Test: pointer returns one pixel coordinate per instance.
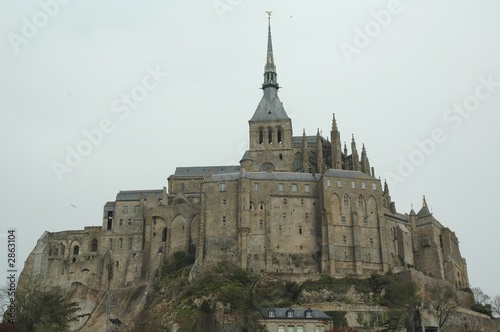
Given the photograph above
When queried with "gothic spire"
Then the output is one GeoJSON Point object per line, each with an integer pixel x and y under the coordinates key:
{"type": "Point", "coordinates": [365, 163]}
{"type": "Point", "coordinates": [270, 75]}
{"type": "Point", "coordinates": [355, 157]}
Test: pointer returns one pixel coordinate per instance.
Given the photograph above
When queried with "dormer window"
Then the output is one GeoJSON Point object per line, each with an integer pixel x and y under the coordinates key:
{"type": "Point", "coordinates": [271, 313]}
{"type": "Point", "coordinates": [309, 313]}
{"type": "Point", "coordinates": [289, 313]}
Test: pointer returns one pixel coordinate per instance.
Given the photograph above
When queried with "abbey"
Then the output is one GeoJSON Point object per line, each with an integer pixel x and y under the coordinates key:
{"type": "Point", "coordinates": [295, 204]}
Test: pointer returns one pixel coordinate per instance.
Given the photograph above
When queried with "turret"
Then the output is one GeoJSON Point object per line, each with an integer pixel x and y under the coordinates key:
{"type": "Point", "coordinates": [305, 153]}
{"type": "Point", "coordinates": [320, 161]}
{"type": "Point", "coordinates": [355, 157]}
{"type": "Point", "coordinates": [336, 146]}
{"type": "Point", "coordinates": [365, 163]}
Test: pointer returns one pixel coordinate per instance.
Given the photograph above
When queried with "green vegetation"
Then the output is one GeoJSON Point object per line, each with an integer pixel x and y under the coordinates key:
{"type": "Point", "coordinates": [40, 309]}
{"type": "Point", "coordinates": [228, 298]}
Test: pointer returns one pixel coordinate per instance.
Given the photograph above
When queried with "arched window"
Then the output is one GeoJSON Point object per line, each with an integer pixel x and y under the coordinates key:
{"type": "Point", "coordinates": [346, 200]}
{"type": "Point", "coordinates": [129, 243]}
{"type": "Point", "coordinates": [297, 163]}
{"type": "Point", "coordinates": [280, 136]}
{"type": "Point", "coordinates": [270, 135]}
{"type": "Point", "coordinates": [93, 245]}
{"type": "Point", "coordinates": [110, 244]}
{"type": "Point", "coordinates": [261, 136]}
{"type": "Point", "coordinates": [76, 250]}
{"type": "Point", "coordinates": [164, 235]}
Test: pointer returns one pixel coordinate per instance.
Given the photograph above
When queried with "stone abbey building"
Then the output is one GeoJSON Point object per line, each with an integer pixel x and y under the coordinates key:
{"type": "Point", "coordinates": [295, 204]}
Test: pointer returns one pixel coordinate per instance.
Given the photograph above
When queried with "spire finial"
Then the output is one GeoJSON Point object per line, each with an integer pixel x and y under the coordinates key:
{"type": "Point", "coordinates": [270, 75]}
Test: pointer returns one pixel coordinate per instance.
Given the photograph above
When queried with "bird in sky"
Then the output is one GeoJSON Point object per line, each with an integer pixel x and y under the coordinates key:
{"type": "Point", "coordinates": [73, 206]}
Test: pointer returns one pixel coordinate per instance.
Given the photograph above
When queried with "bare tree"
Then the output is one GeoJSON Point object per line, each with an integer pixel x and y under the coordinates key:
{"type": "Point", "coordinates": [443, 299]}
{"type": "Point", "coordinates": [495, 305]}
{"type": "Point", "coordinates": [479, 296]}
{"type": "Point", "coordinates": [471, 324]}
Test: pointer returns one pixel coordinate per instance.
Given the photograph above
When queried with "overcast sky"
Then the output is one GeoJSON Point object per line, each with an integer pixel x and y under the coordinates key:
{"type": "Point", "coordinates": [171, 83]}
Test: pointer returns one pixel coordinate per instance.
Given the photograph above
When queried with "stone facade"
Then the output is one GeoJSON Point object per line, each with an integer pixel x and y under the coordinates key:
{"type": "Point", "coordinates": [295, 205]}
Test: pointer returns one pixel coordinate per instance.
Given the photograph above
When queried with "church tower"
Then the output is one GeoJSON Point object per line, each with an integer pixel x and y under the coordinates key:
{"type": "Point", "coordinates": [270, 127]}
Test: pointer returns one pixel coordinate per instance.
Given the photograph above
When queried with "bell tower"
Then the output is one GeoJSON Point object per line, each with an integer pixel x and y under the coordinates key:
{"type": "Point", "coordinates": [270, 127]}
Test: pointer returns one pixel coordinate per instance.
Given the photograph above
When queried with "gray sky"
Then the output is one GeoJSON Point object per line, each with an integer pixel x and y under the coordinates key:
{"type": "Point", "coordinates": [417, 81]}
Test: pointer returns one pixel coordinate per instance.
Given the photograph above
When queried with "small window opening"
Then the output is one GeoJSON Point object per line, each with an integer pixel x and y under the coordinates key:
{"type": "Point", "coordinates": [279, 137]}
{"type": "Point", "coordinates": [94, 245]}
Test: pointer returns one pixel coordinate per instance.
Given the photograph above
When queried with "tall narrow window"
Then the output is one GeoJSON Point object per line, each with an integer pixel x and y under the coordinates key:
{"type": "Point", "coordinates": [297, 162]}
{"type": "Point", "coordinates": [261, 136]}
{"type": "Point", "coordinates": [129, 243]}
{"type": "Point", "coordinates": [280, 138]}
{"type": "Point", "coordinates": [93, 245]}
{"type": "Point", "coordinates": [110, 220]}
{"type": "Point", "coordinates": [346, 200]}
{"type": "Point", "coordinates": [164, 235]}
{"type": "Point", "coordinates": [270, 135]}
{"type": "Point", "coordinates": [120, 243]}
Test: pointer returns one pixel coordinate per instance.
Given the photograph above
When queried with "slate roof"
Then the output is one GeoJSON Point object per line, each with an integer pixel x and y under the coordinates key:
{"type": "Point", "coordinates": [277, 176]}
{"type": "Point", "coordinates": [246, 156]}
{"type": "Point", "coordinates": [297, 140]}
{"type": "Point", "coordinates": [343, 173]}
{"type": "Point", "coordinates": [298, 313]}
{"type": "Point", "coordinates": [135, 195]}
{"type": "Point", "coordinates": [205, 170]}
{"type": "Point", "coordinates": [270, 107]}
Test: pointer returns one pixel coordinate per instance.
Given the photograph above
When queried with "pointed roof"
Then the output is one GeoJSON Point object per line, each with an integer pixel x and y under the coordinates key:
{"type": "Point", "coordinates": [270, 75]}
{"type": "Point", "coordinates": [334, 124]}
{"type": "Point", "coordinates": [246, 156]}
{"type": "Point", "coordinates": [270, 107]}
{"type": "Point", "coordinates": [424, 211]}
